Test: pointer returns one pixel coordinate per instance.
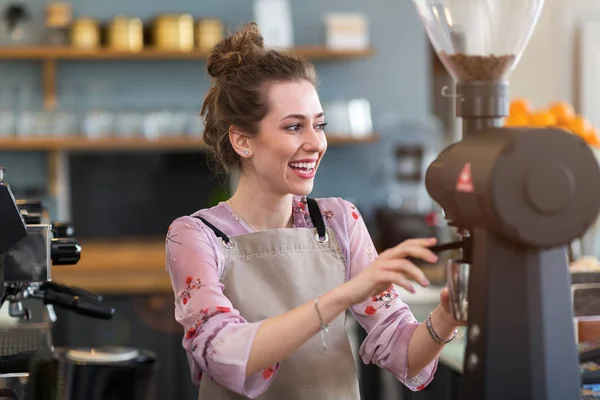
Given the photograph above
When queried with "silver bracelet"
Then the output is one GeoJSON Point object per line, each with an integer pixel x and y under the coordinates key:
{"type": "Point", "coordinates": [324, 327]}
{"type": "Point", "coordinates": [434, 335]}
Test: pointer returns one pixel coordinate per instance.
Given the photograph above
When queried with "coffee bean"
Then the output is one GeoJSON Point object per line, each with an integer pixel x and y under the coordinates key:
{"type": "Point", "coordinates": [478, 68]}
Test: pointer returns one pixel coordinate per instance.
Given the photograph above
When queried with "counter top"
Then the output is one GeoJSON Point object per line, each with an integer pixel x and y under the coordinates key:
{"type": "Point", "coordinates": [118, 266]}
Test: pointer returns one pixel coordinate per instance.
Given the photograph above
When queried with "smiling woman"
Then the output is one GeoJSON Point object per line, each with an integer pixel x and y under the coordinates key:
{"type": "Point", "coordinates": [288, 148]}
{"type": "Point", "coordinates": [258, 277]}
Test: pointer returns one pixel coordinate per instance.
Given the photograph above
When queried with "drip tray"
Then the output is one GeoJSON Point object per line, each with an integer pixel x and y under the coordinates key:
{"type": "Point", "coordinates": [25, 337]}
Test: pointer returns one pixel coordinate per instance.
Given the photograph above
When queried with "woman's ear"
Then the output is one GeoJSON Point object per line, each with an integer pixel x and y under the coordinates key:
{"type": "Point", "coordinates": [240, 142]}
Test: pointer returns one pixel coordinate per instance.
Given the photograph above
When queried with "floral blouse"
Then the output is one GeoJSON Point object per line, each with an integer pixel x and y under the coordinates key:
{"type": "Point", "coordinates": [217, 338]}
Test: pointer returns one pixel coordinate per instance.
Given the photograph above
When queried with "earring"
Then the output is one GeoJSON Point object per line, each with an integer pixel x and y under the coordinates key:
{"type": "Point", "coordinates": [246, 153]}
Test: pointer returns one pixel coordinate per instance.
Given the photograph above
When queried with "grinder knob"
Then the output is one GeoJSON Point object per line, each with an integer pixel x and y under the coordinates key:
{"type": "Point", "coordinates": [65, 251]}
{"type": "Point", "coordinates": [61, 229]}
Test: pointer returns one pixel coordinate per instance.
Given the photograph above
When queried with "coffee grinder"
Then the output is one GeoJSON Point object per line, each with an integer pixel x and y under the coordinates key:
{"type": "Point", "coordinates": [517, 196]}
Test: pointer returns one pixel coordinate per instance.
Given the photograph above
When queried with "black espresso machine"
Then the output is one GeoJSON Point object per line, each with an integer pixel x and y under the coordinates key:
{"type": "Point", "coordinates": [518, 197]}
{"type": "Point", "coordinates": [31, 368]}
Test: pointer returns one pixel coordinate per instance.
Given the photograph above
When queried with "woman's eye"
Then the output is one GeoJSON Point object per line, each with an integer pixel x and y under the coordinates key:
{"type": "Point", "coordinates": [298, 127]}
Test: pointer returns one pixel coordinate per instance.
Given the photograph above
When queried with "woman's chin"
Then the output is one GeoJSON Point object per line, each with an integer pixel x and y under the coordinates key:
{"type": "Point", "coordinates": [303, 189]}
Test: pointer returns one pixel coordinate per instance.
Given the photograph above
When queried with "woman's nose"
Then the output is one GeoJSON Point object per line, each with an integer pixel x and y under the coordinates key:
{"type": "Point", "coordinates": [316, 141]}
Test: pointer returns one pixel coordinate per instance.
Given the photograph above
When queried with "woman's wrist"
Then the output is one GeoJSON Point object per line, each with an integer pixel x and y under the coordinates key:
{"type": "Point", "coordinates": [349, 293]}
{"type": "Point", "coordinates": [343, 296]}
{"type": "Point", "coordinates": [442, 323]}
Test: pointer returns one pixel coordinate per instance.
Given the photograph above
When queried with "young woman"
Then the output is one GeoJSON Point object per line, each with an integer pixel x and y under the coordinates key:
{"type": "Point", "coordinates": [263, 280]}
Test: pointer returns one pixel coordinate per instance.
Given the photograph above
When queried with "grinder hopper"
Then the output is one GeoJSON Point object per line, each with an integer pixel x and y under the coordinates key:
{"type": "Point", "coordinates": [479, 40]}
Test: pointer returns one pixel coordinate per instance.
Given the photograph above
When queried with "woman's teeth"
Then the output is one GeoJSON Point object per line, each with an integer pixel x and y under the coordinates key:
{"type": "Point", "coordinates": [304, 166]}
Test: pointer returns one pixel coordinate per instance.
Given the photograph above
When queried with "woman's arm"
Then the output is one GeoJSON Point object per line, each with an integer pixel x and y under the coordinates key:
{"type": "Point", "coordinates": [278, 337]}
{"type": "Point", "coordinates": [422, 350]}
{"type": "Point", "coordinates": [395, 341]}
{"type": "Point", "coordinates": [217, 339]}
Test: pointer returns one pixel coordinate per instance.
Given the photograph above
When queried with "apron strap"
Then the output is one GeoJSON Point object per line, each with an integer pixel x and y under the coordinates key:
{"type": "Point", "coordinates": [316, 217]}
{"type": "Point", "coordinates": [313, 210]}
{"type": "Point", "coordinates": [217, 232]}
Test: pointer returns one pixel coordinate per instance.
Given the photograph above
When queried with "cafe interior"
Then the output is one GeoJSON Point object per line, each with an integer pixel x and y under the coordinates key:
{"type": "Point", "coordinates": [441, 123]}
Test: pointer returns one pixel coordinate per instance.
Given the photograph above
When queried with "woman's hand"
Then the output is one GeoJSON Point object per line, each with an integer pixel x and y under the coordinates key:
{"type": "Point", "coordinates": [392, 267]}
{"type": "Point", "coordinates": [445, 302]}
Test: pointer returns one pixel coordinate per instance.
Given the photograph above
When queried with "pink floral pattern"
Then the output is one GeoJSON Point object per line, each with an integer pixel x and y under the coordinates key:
{"type": "Point", "coordinates": [384, 300]}
{"type": "Point", "coordinates": [191, 284]}
{"type": "Point", "coordinates": [269, 371]}
{"type": "Point", "coordinates": [300, 213]}
{"type": "Point", "coordinates": [371, 252]}
{"type": "Point", "coordinates": [355, 214]}
{"type": "Point", "coordinates": [206, 314]}
{"type": "Point", "coordinates": [417, 382]}
{"type": "Point", "coordinates": [170, 239]}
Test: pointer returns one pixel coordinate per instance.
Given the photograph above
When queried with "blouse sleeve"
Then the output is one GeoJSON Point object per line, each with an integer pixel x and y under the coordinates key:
{"type": "Point", "coordinates": [217, 339]}
{"type": "Point", "coordinates": [387, 319]}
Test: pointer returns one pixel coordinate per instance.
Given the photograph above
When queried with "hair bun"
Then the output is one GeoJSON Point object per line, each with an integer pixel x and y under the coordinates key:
{"type": "Point", "coordinates": [229, 54]}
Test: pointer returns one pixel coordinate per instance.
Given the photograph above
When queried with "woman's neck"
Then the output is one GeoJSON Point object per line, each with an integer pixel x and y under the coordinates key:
{"type": "Point", "coordinates": [260, 209]}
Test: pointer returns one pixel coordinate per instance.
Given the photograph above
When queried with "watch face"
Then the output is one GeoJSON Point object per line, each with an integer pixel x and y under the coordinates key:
{"type": "Point", "coordinates": [586, 300]}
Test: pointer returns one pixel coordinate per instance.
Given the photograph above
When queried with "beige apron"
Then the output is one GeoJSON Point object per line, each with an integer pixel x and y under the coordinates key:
{"type": "Point", "coordinates": [270, 272]}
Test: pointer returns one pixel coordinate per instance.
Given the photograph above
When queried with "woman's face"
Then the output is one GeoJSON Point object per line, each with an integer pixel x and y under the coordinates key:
{"type": "Point", "coordinates": [291, 142]}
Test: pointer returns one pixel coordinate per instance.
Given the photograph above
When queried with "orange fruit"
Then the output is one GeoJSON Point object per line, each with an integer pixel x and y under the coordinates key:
{"type": "Point", "coordinates": [580, 126]}
{"type": "Point", "coordinates": [566, 127]}
{"type": "Point", "coordinates": [517, 120]}
{"type": "Point", "coordinates": [563, 111]}
{"type": "Point", "coordinates": [594, 140]}
{"type": "Point", "coordinates": [519, 106]}
{"type": "Point", "coordinates": [543, 118]}
{"type": "Point", "coordinates": [591, 137]}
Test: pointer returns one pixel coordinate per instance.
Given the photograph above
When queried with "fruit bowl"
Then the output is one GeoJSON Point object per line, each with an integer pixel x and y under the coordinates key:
{"type": "Point", "coordinates": [559, 114]}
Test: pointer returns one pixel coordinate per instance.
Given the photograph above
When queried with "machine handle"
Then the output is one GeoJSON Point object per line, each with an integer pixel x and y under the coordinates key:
{"type": "Point", "coordinates": [464, 244]}
{"type": "Point", "coordinates": [447, 246]}
{"type": "Point", "coordinates": [73, 291]}
{"type": "Point", "coordinates": [65, 251]}
{"type": "Point", "coordinates": [79, 305]}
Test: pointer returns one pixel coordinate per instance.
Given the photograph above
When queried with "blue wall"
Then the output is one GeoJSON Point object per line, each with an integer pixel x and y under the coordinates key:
{"type": "Point", "coordinates": [395, 80]}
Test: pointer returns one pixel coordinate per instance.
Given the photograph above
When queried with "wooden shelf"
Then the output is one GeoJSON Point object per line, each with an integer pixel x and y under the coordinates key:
{"type": "Point", "coordinates": [71, 53]}
{"type": "Point", "coordinates": [183, 143]}
{"type": "Point", "coordinates": [49, 55]}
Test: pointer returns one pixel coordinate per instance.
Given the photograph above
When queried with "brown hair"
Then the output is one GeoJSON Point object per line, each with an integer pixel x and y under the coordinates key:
{"type": "Point", "coordinates": [241, 69]}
